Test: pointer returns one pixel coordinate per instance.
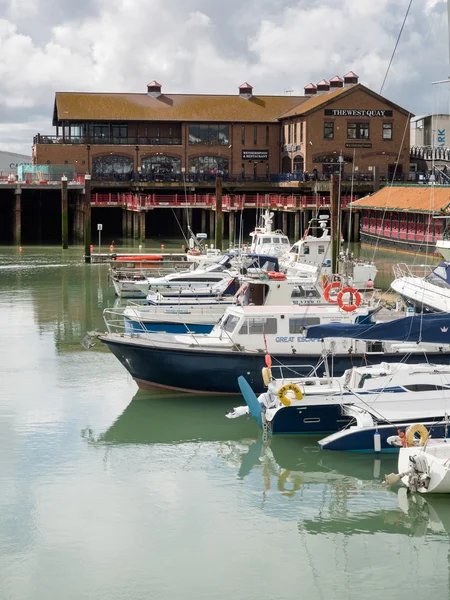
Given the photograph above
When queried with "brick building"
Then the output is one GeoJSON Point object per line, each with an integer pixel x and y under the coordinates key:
{"type": "Point", "coordinates": [245, 136]}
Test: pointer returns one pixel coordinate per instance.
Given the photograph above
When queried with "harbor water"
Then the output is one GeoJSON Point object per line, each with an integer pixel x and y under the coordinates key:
{"type": "Point", "coordinates": [110, 492]}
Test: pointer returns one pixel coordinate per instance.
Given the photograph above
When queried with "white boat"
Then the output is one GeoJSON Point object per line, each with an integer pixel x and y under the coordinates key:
{"type": "Point", "coordinates": [428, 294]}
{"type": "Point", "coordinates": [266, 241]}
{"type": "Point", "coordinates": [443, 247]}
{"type": "Point", "coordinates": [299, 405]}
{"type": "Point", "coordinates": [424, 464]}
{"type": "Point", "coordinates": [312, 255]}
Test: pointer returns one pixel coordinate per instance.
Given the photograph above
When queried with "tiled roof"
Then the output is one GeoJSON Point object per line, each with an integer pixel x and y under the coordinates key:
{"type": "Point", "coordinates": [315, 102]}
{"type": "Point", "coordinates": [245, 85]}
{"type": "Point", "coordinates": [323, 82]}
{"type": "Point", "coordinates": [74, 106]}
{"type": "Point", "coordinates": [350, 74]}
{"type": "Point", "coordinates": [154, 83]}
{"type": "Point", "coordinates": [336, 78]}
{"type": "Point", "coordinates": [403, 197]}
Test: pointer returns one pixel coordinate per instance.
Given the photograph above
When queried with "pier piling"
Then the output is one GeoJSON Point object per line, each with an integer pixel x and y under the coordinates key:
{"type": "Point", "coordinates": [18, 216]}
{"type": "Point", "coordinates": [87, 218]}
{"type": "Point", "coordinates": [64, 214]}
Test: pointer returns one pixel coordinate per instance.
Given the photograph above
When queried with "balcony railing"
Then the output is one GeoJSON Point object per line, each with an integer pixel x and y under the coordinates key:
{"type": "Point", "coordinates": [110, 141]}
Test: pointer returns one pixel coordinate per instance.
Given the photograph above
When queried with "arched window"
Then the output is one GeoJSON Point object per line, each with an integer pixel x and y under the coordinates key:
{"type": "Point", "coordinates": [110, 166]}
{"type": "Point", "coordinates": [161, 165]}
{"type": "Point", "coordinates": [286, 164]}
{"type": "Point", "coordinates": [210, 165]}
{"type": "Point", "coordinates": [298, 163]}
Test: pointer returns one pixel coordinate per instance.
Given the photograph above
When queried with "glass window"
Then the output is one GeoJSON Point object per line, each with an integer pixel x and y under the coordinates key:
{"type": "Point", "coordinates": [304, 292]}
{"type": "Point", "coordinates": [387, 131]}
{"type": "Point", "coordinates": [259, 325]}
{"type": "Point", "coordinates": [119, 131]}
{"type": "Point", "coordinates": [297, 325]}
{"type": "Point", "coordinates": [208, 134]}
{"type": "Point", "coordinates": [328, 130]}
{"type": "Point", "coordinates": [243, 135]}
{"type": "Point", "coordinates": [230, 323]}
{"type": "Point", "coordinates": [358, 131]}
{"type": "Point", "coordinates": [267, 135]}
{"type": "Point", "coordinates": [111, 165]}
{"type": "Point", "coordinates": [424, 387]}
{"type": "Point", "coordinates": [255, 134]}
{"type": "Point", "coordinates": [295, 133]}
{"type": "Point", "coordinates": [321, 250]}
{"type": "Point", "coordinates": [161, 164]}
{"type": "Point", "coordinates": [209, 164]}
{"type": "Point", "coordinates": [289, 133]}
{"type": "Point", "coordinates": [301, 133]}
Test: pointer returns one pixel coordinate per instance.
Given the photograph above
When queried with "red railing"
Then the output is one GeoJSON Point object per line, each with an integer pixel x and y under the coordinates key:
{"type": "Point", "coordinates": [236, 202]}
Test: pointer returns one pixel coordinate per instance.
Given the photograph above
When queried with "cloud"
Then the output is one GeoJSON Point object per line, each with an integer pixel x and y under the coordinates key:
{"type": "Point", "coordinates": [204, 46]}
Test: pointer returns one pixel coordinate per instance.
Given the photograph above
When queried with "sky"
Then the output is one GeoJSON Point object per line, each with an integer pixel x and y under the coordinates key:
{"type": "Point", "coordinates": [212, 46]}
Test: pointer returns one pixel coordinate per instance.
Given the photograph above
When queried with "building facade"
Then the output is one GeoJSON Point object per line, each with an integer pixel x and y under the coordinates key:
{"type": "Point", "coordinates": [337, 125]}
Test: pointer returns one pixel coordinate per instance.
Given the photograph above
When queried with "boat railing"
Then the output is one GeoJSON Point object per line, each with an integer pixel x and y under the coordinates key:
{"type": "Point", "coordinates": [405, 270]}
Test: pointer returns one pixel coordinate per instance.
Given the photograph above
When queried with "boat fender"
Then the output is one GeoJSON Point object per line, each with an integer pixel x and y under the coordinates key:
{"type": "Point", "coordinates": [327, 290]}
{"type": "Point", "coordinates": [377, 441]}
{"type": "Point", "coordinates": [349, 307]}
{"type": "Point", "coordinates": [266, 375]}
{"type": "Point", "coordinates": [411, 432]}
{"type": "Point", "coordinates": [289, 387]}
{"type": "Point", "coordinates": [276, 275]}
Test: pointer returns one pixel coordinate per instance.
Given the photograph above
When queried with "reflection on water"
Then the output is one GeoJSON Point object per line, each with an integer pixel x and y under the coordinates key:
{"type": "Point", "coordinates": [110, 492]}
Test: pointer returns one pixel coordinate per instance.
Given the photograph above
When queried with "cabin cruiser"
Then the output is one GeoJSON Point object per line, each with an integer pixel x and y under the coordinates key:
{"type": "Point", "coordinates": [312, 254]}
{"type": "Point", "coordinates": [392, 391]}
{"type": "Point", "coordinates": [266, 241]}
{"type": "Point", "coordinates": [425, 294]}
{"type": "Point", "coordinates": [239, 342]}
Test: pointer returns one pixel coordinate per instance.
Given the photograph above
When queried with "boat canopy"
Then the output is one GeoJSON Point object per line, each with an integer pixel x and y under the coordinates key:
{"type": "Point", "coordinates": [440, 275]}
{"type": "Point", "coordinates": [433, 328]}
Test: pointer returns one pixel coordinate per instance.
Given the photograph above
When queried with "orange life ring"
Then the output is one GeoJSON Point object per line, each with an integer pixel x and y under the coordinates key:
{"type": "Point", "coordinates": [327, 290]}
{"type": "Point", "coordinates": [349, 307]}
{"type": "Point", "coordinates": [194, 252]}
{"type": "Point", "coordinates": [275, 275]}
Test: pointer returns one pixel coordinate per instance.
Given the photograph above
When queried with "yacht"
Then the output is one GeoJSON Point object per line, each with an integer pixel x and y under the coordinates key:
{"type": "Point", "coordinates": [425, 294]}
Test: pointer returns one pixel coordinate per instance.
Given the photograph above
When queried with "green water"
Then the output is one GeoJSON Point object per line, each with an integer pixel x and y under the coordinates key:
{"type": "Point", "coordinates": [110, 492]}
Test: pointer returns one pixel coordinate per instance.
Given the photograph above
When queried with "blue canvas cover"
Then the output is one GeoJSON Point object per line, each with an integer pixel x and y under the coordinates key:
{"type": "Point", "coordinates": [433, 328]}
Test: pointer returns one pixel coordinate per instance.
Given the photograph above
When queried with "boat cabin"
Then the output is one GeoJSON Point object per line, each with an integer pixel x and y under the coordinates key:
{"type": "Point", "coordinates": [440, 276]}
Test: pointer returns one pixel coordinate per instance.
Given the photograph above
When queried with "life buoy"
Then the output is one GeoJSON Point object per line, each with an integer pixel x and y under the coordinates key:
{"type": "Point", "coordinates": [194, 252]}
{"type": "Point", "coordinates": [411, 432]}
{"type": "Point", "coordinates": [266, 375]}
{"type": "Point", "coordinates": [327, 290]}
{"type": "Point", "coordinates": [283, 479]}
{"type": "Point", "coordinates": [292, 387]}
{"type": "Point", "coordinates": [276, 275]}
{"type": "Point", "coordinates": [356, 302]}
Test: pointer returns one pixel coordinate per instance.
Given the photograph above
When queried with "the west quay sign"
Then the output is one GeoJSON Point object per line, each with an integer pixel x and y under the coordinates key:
{"type": "Point", "coordinates": [350, 112]}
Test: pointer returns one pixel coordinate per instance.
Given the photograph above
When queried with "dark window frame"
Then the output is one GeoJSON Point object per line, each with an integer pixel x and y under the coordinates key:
{"type": "Point", "coordinates": [387, 127]}
{"type": "Point", "coordinates": [358, 128]}
{"type": "Point", "coordinates": [328, 130]}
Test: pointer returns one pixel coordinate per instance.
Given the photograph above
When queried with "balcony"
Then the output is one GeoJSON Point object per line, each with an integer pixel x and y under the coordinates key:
{"type": "Point", "coordinates": [107, 141]}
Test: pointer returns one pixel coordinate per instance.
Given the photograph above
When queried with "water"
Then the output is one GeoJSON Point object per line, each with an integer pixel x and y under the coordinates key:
{"type": "Point", "coordinates": [110, 492]}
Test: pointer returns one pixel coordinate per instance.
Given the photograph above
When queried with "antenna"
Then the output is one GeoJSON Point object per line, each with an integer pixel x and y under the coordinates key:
{"type": "Point", "coordinates": [289, 92]}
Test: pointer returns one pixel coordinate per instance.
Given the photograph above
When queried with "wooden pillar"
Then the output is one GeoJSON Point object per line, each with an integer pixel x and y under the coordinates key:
{"type": "Point", "coordinates": [376, 179]}
{"type": "Point", "coordinates": [64, 214]}
{"type": "Point", "coordinates": [142, 226]}
{"type": "Point", "coordinates": [219, 213]}
{"type": "Point", "coordinates": [18, 215]}
{"type": "Point", "coordinates": [296, 226]}
{"type": "Point", "coordinates": [203, 220]}
{"type": "Point", "coordinates": [231, 221]}
{"type": "Point", "coordinates": [124, 223]}
{"type": "Point", "coordinates": [356, 221]}
{"type": "Point", "coordinates": [211, 224]}
{"type": "Point", "coordinates": [39, 218]}
{"type": "Point", "coordinates": [87, 218]}
{"type": "Point", "coordinates": [135, 225]}
{"type": "Point", "coordinates": [284, 220]}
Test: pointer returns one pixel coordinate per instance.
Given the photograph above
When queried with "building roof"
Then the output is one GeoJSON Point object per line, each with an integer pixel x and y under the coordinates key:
{"type": "Point", "coordinates": [336, 78]}
{"type": "Point", "coordinates": [351, 74]}
{"type": "Point", "coordinates": [80, 106]}
{"type": "Point", "coordinates": [422, 198]}
{"type": "Point", "coordinates": [315, 102]}
{"type": "Point", "coordinates": [154, 83]}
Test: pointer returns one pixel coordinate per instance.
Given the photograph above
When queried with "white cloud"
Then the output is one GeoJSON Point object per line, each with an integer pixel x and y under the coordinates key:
{"type": "Point", "coordinates": [198, 46]}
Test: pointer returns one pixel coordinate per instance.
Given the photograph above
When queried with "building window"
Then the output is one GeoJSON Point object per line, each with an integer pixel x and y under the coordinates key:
{"type": "Point", "coordinates": [387, 131]}
{"type": "Point", "coordinates": [295, 125]}
{"type": "Point", "coordinates": [289, 133]}
{"type": "Point", "coordinates": [243, 135]}
{"type": "Point", "coordinates": [298, 164]}
{"type": "Point", "coordinates": [267, 135]}
{"type": "Point", "coordinates": [255, 134]}
{"type": "Point", "coordinates": [161, 165]}
{"type": "Point", "coordinates": [111, 167]}
{"type": "Point", "coordinates": [358, 131]}
{"type": "Point", "coordinates": [211, 165]}
{"type": "Point", "coordinates": [119, 133]}
{"type": "Point", "coordinates": [243, 169]}
{"type": "Point", "coordinates": [158, 132]}
{"type": "Point", "coordinates": [170, 131]}
{"type": "Point", "coordinates": [267, 170]}
{"type": "Point", "coordinates": [328, 130]}
{"type": "Point", "coordinates": [83, 162]}
{"type": "Point", "coordinates": [208, 134]}
{"type": "Point", "coordinates": [301, 133]}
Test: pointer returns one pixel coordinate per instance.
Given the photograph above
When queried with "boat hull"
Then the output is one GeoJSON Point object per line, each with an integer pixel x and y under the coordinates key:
{"type": "Point", "coordinates": [313, 419]}
{"type": "Point", "coordinates": [216, 371]}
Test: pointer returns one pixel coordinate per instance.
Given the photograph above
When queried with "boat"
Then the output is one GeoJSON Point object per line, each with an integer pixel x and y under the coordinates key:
{"type": "Point", "coordinates": [239, 342]}
{"type": "Point", "coordinates": [312, 255]}
{"type": "Point", "coordinates": [424, 294]}
{"type": "Point", "coordinates": [318, 405]}
{"type": "Point", "coordinates": [423, 463]}
{"type": "Point", "coordinates": [266, 241]}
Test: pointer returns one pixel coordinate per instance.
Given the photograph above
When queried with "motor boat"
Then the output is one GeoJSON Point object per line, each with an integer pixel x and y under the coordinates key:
{"type": "Point", "coordinates": [424, 294]}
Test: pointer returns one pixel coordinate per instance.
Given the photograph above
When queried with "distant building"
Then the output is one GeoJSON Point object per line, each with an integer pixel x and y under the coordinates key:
{"type": "Point", "coordinates": [431, 130]}
{"type": "Point", "coordinates": [337, 124]}
{"type": "Point", "coordinates": [9, 161]}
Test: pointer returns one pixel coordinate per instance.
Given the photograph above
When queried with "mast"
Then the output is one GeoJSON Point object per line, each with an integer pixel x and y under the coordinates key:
{"type": "Point", "coordinates": [334, 208]}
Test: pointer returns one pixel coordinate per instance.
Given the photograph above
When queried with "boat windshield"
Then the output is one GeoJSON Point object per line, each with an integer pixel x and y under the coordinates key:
{"type": "Point", "coordinates": [439, 276]}
{"type": "Point", "coordinates": [230, 323]}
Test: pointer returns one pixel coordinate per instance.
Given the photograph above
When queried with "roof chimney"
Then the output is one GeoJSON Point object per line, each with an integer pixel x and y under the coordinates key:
{"type": "Point", "coordinates": [323, 87]}
{"type": "Point", "coordinates": [310, 89]}
{"type": "Point", "coordinates": [350, 79]}
{"type": "Point", "coordinates": [336, 82]}
{"type": "Point", "coordinates": [246, 91]}
{"type": "Point", "coordinates": [154, 89]}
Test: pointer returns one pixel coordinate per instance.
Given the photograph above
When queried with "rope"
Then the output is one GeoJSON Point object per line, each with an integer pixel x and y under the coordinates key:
{"type": "Point", "coordinates": [395, 47]}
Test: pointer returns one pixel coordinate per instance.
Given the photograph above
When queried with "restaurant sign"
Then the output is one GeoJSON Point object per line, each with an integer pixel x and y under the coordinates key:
{"type": "Point", "coordinates": [349, 112]}
{"type": "Point", "coordinates": [358, 145]}
{"type": "Point", "coordinates": [255, 154]}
